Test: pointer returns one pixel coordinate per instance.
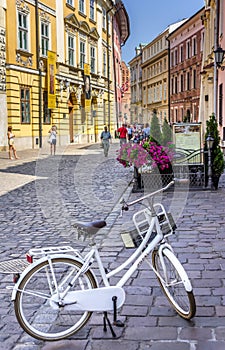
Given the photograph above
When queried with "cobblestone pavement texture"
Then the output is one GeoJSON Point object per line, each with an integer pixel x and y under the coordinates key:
{"type": "Point", "coordinates": [41, 197]}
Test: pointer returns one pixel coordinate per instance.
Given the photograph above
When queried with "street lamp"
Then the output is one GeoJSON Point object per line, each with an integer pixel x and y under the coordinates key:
{"type": "Point", "coordinates": [209, 143]}
{"type": "Point", "coordinates": [219, 56]}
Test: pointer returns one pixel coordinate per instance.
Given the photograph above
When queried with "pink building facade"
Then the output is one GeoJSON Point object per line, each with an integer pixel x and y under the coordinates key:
{"type": "Point", "coordinates": [186, 45]}
{"type": "Point", "coordinates": [221, 75]}
{"type": "Point", "coordinates": [121, 32]}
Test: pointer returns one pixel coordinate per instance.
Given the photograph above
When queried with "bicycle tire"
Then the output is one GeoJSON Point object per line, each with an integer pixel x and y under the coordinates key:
{"type": "Point", "coordinates": [180, 298]}
{"type": "Point", "coordinates": [33, 310]}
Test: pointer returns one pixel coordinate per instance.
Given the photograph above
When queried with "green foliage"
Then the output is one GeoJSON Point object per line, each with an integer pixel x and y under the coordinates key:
{"type": "Point", "coordinates": [155, 132]}
{"type": "Point", "coordinates": [218, 164]}
{"type": "Point", "coordinates": [167, 134]}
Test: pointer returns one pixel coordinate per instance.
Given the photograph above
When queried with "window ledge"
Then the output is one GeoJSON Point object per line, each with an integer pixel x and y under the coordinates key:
{"type": "Point", "coordinates": [82, 14]}
{"type": "Point", "coordinates": [71, 7]}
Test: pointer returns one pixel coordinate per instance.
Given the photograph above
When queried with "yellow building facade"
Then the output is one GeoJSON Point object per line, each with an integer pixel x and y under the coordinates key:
{"type": "Point", "coordinates": [53, 50]}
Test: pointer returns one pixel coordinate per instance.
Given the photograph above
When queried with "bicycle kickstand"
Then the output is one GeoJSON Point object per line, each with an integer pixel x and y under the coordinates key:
{"type": "Point", "coordinates": [106, 319]}
{"type": "Point", "coordinates": [116, 322]}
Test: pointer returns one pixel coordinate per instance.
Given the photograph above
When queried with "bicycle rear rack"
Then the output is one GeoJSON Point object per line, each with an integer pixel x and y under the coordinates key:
{"type": "Point", "coordinates": [13, 266]}
{"type": "Point", "coordinates": [17, 266]}
{"type": "Point", "coordinates": [45, 251]}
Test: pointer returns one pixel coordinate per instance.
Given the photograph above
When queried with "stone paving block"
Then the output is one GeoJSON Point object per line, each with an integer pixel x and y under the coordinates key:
{"type": "Point", "coordinates": [210, 345]}
{"type": "Point", "coordinates": [220, 333]}
{"type": "Point", "coordinates": [115, 344]}
{"type": "Point", "coordinates": [175, 321]}
{"type": "Point", "coordinates": [166, 346]}
{"type": "Point", "coordinates": [150, 333]}
{"type": "Point", "coordinates": [194, 333]}
{"type": "Point", "coordinates": [146, 321]}
{"type": "Point", "coordinates": [129, 310]}
{"type": "Point", "coordinates": [66, 345]}
{"type": "Point", "coordinates": [212, 322]}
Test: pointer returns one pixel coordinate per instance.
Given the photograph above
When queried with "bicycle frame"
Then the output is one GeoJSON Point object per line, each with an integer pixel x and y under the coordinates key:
{"type": "Point", "coordinates": [136, 258]}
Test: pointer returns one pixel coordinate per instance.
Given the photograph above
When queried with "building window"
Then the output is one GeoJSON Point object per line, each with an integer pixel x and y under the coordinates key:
{"type": "Point", "coordinates": [103, 18]}
{"type": "Point", "coordinates": [44, 39]}
{"type": "Point", "coordinates": [23, 31]}
{"type": "Point", "coordinates": [104, 64]}
{"type": "Point", "coordinates": [25, 105]}
{"type": "Point", "coordinates": [194, 79]}
{"type": "Point", "coordinates": [194, 46]}
{"type": "Point", "coordinates": [71, 50]}
{"type": "Point", "coordinates": [82, 54]}
{"type": "Point", "coordinates": [176, 87]}
{"type": "Point", "coordinates": [46, 111]}
{"type": "Point", "coordinates": [188, 81]}
{"type": "Point", "coordinates": [176, 57]}
{"type": "Point", "coordinates": [92, 9]}
{"type": "Point", "coordinates": [188, 49]}
{"type": "Point", "coordinates": [81, 6]}
{"type": "Point", "coordinates": [181, 53]}
{"type": "Point", "coordinates": [165, 91]}
{"type": "Point", "coordinates": [93, 59]}
{"type": "Point", "coordinates": [172, 86]}
{"type": "Point", "coordinates": [171, 59]}
{"type": "Point", "coordinates": [181, 83]}
{"type": "Point", "coordinates": [69, 2]}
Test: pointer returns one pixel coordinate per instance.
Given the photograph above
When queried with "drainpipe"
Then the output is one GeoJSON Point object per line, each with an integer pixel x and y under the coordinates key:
{"type": "Point", "coordinates": [169, 115]}
{"type": "Point", "coordinates": [216, 44]}
{"type": "Point", "coordinates": [108, 68]}
{"type": "Point", "coordinates": [115, 80]}
{"type": "Point", "coordinates": [40, 74]}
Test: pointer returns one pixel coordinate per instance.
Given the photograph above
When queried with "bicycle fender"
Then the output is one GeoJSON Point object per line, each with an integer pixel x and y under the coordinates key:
{"type": "Point", "coordinates": [179, 267]}
{"type": "Point", "coordinates": [39, 261]}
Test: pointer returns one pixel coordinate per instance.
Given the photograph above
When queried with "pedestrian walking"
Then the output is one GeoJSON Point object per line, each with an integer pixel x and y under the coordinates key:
{"type": "Point", "coordinates": [129, 132]}
{"type": "Point", "coordinates": [146, 131]}
{"type": "Point", "coordinates": [52, 139]}
{"type": "Point", "coordinates": [11, 144]}
{"type": "Point", "coordinates": [105, 137]}
{"type": "Point", "coordinates": [123, 134]}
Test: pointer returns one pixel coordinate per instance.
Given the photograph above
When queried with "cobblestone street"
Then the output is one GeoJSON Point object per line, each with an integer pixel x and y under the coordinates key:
{"type": "Point", "coordinates": [42, 196]}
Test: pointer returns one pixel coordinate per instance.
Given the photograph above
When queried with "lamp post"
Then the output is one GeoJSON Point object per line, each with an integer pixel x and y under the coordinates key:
{"type": "Point", "coordinates": [219, 56]}
{"type": "Point", "coordinates": [209, 142]}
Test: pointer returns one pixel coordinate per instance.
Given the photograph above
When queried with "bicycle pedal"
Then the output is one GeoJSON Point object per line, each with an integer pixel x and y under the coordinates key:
{"type": "Point", "coordinates": [118, 323]}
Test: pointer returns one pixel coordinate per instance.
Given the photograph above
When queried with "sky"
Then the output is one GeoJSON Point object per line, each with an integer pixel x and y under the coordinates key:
{"type": "Point", "coordinates": [148, 18]}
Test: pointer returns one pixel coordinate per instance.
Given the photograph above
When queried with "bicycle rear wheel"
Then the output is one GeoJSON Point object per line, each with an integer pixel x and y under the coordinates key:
{"type": "Point", "coordinates": [37, 314]}
{"type": "Point", "coordinates": [172, 281]}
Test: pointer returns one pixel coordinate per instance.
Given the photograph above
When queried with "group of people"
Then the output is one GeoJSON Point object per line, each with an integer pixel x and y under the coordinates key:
{"type": "Point", "coordinates": [133, 133]}
{"type": "Point", "coordinates": [11, 142]}
{"type": "Point", "coordinates": [125, 133]}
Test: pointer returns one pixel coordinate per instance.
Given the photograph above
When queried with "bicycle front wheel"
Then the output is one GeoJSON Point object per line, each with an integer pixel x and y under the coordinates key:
{"type": "Point", "coordinates": [173, 280]}
{"type": "Point", "coordinates": [37, 314]}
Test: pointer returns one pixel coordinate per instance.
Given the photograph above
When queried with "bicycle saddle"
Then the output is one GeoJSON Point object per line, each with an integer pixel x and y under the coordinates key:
{"type": "Point", "coordinates": [89, 227]}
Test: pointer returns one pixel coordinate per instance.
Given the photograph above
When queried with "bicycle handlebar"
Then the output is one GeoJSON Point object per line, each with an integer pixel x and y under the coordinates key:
{"type": "Point", "coordinates": [125, 206]}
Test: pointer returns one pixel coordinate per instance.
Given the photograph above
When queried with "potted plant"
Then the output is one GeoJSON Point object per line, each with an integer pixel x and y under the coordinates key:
{"type": "Point", "coordinates": [217, 158]}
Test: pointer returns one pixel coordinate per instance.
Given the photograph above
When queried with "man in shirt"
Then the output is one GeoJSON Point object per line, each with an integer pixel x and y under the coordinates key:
{"type": "Point", "coordinates": [105, 137]}
{"type": "Point", "coordinates": [123, 134]}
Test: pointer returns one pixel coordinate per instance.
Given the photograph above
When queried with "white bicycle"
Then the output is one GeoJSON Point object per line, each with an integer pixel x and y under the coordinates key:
{"type": "Point", "coordinates": [56, 294]}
